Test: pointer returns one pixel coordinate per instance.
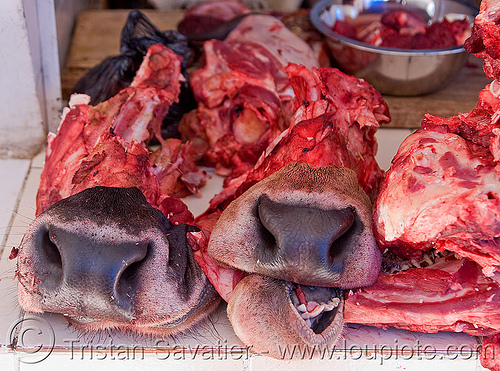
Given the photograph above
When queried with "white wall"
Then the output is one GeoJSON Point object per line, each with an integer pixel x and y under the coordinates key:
{"type": "Point", "coordinates": [22, 129]}
{"type": "Point", "coordinates": [30, 63]}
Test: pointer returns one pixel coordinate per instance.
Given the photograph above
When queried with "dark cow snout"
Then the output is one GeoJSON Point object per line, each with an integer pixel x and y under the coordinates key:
{"type": "Point", "coordinates": [104, 256]}
{"type": "Point", "coordinates": [90, 268]}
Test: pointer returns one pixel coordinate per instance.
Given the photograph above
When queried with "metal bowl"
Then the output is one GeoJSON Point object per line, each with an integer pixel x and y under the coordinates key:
{"type": "Point", "coordinates": [402, 72]}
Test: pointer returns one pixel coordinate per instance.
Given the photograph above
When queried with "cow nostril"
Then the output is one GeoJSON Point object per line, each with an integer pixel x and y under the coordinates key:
{"type": "Point", "coordinates": [52, 260]}
{"type": "Point", "coordinates": [349, 228]}
{"type": "Point", "coordinates": [127, 281]}
{"type": "Point", "coordinates": [266, 238]}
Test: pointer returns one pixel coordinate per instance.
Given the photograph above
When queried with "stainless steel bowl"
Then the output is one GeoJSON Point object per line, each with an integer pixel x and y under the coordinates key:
{"type": "Point", "coordinates": [403, 72]}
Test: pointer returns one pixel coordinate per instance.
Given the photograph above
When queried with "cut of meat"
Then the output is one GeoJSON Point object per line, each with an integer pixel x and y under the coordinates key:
{"type": "Point", "coordinates": [485, 39]}
{"type": "Point", "coordinates": [276, 37]}
{"type": "Point", "coordinates": [335, 122]}
{"type": "Point", "coordinates": [211, 20]}
{"type": "Point", "coordinates": [405, 30]}
{"type": "Point", "coordinates": [106, 144]}
{"type": "Point", "coordinates": [448, 176]}
{"type": "Point", "coordinates": [442, 195]}
{"type": "Point", "coordinates": [243, 93]}
{"type": "Point", "coordinates": [450, 295]}
{"type": "Point", "coordinates": [299, 22]}
{"type": "Point", "coordinates": [447, 173]}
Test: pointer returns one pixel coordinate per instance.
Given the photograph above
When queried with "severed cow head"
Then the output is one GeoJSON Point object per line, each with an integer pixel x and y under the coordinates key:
{"type": "Point", "coordinates": [303, 234]}
{"type": "Point", "coordinates": [106, 259]}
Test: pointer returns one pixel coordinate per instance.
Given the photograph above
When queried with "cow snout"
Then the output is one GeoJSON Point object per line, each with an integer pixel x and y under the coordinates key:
{"type": "Point", "coordinates": [90, 269]}
{"type": "Point", "coordinates": [106, 259]}
{"type": "Point", "coordinates": [307, 225]}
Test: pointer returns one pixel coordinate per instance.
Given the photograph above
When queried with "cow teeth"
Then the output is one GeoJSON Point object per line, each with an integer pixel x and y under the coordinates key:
{"type": "Point", "coordinates": [415, 263]}
{"type": "Point", "coordinates": [317, 310]}
{"type": "Point", "coordinates": [428, 259]}
{"type": "Point", "coordinates": [305, 315]}
{"type": "Point", "coordinates": [308, 322]}
{"type": "Point", "coordinates": [302, 308]}
{"type": "Point", "coordinates": [334, 303]}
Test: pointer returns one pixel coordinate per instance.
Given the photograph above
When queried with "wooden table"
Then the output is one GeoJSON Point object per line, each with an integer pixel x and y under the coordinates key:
{"type": "Point", "coordinates": [97, 36]}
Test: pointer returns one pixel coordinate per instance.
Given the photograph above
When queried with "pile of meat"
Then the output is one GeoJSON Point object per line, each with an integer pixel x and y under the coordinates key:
{"type": "Point", "coordinates": [264, 105]}
{"type": "Point", "coordinates": [437, 218]}
{"type": "Point", "coordinates": [405, 30]}
{"type": "Point", "coordinates": [106, 144]}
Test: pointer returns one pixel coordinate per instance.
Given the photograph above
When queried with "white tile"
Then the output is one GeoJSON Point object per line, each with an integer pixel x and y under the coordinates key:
{"type": "Point", "coordinates": [372, 362]}
{"type": "Point", "coordinates": [197, 204]}
{"type": "Point", "coordinates": [124, 359]}
{"type": "Point", "coordinates": [8, 361]}
{"type": "Point", "coordinates": [39, 160]}
{"type": "Point", "coordinates": [10, 312]}
{"type": "Point", "coordinates": [13, 174]}
{"type": "Point", "coordinates": [25, 212]}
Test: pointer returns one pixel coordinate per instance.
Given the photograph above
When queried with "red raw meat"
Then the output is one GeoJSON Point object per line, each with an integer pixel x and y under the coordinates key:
{"type": "Point", "coordinates": [442, 193]}
{"type": "Point", "coordinates": [245, 99]}
{"type": "Point", "coordinates": [406, 30]}
{"type": "Point", "coordinates": [453, 295]}
{"type": "Point", "coordinates": [106, 144]}
{"type": "Point", "coordinates": [447, 173]}
{"type": "Point", "coordinates": [335, 122]}
{"type": "Point", "coordinates": [405, 23]}
{"type": "Point", "coordinates": [206, 16]}
{"type": "Point", "coordinates": [485, 39]}
{"type": "Point", "coordinates": [221, 10]}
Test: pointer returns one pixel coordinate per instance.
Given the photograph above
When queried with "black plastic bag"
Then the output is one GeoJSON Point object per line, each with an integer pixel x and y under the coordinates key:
{"type": "Point", "coordinates": [116, 73]}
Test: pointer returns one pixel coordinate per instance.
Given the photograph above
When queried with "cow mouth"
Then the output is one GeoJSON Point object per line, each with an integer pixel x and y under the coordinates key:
{"type": "Point", "coordinates": [302, 235]}
{"type": "Point", "coordinates": [106, 259]}
{"type": "Point", "coordinates": [393, 264]}
{"type": "Point", "coordinates": [271, 314]}
{"type": "Point", "coordinates": [317, 306]}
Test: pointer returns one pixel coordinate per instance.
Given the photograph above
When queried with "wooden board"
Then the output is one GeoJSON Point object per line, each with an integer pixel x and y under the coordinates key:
{"type": "Point", "coordinates": [459, 96]}
{"type": "Point", "coordinates": [97, 36]}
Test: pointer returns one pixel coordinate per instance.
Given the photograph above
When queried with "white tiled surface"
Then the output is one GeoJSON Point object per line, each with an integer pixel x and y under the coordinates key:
{"type": "Point", "coordinates": [17, 195]}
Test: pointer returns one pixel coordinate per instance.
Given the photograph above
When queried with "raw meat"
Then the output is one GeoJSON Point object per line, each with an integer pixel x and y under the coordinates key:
{"type": "Point", "coordinates": [405, 30]}
{"type": "Point", "coordinates": [106, 144]}
{"type": "Point", "coordinates": [117, 72]}
{"type": "Point", "coordinates": [450, 295]}
{"type": "Point", "coordinates": [436, 219]}
{"type": "Point", "coordinates": [335, 122]}
{"type": "Point", "coordinates": [485, 39]}
{"type": "Point", "coordinates": [447, 173]}
{"type": "Point", "coordinates": [212, 20]}
{"type": "Point", "coordinates": [244, 96]}
{"type": "Point", "coordinates": [299, 22]}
